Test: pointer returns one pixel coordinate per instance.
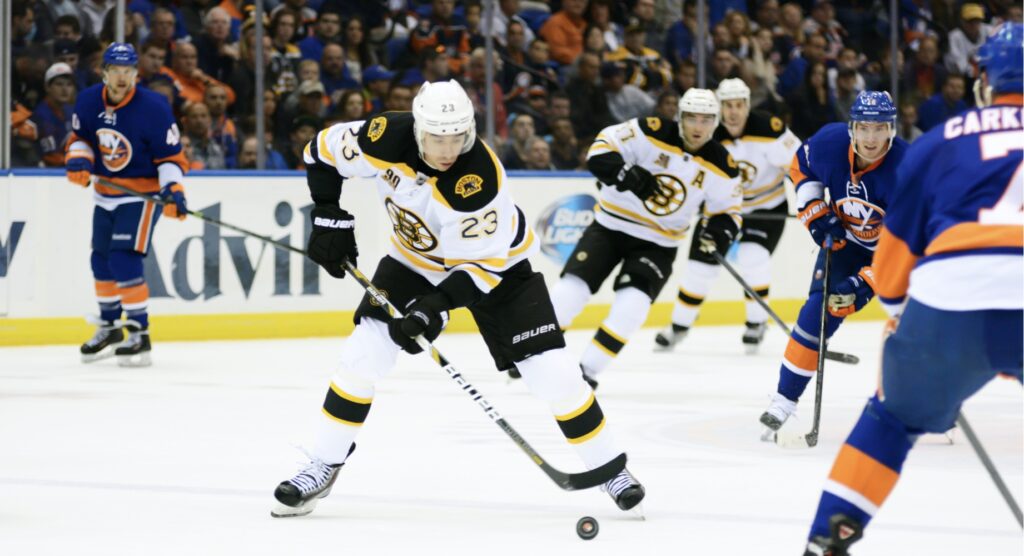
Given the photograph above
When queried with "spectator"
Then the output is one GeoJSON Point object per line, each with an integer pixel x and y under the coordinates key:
{"type": "Point", "coordinates": [848, 59]}
{"type": "Point", "coordinates": [161, 31]}
{"type": "Point", "coordinates": [303, 130]}
{"type": "Point", "coordinates": [186, 149]}
{"type": "Point", "coordinates": [516, 45]}
{"type": "Point", "coordinates": [599, 16]}
{"type": "Point", "coordinates": [845, 92]}
{"type": "Point", "coordinates": [333, 71]}
{"type": "Point", "coordinates": [823, 22]}
{"type": "Point", "coordinates": [908, 130]}
{"type": "Point", "coordinates": [644, 66]}
{"type": "Point", "coordinates": [443, 29]}
{"type": "Point", "coordinates": [515, 152]}
{"type": "Point", "coordinates": [537, 106]}
{"type": "Point", "coordinates": [791, 33]}
{"type": "Point", "coordinates": [564, 148]}
{"type": "Point", "coordinates": [109, 32]}
{"type": "Point", "coordinates": [943, 105]}
{"type": "Point", "coordinates": [761, 68]}
{"type": "Point", "coordinates": [559, 106]}
{"type": "Point", "coordinates": [52, 116]}
{"type": "Point", "coordinates": [589, 112]}
{"type": "Point", "coordinates": [205, 150]}
{"type": "Point", "coordinates": [151, 61]}
{"type": "Point", "coordinates": [654, 32]}
{"type": "Point", "coordinates": [681, 36]}
{"type": "Point", "coordinates": [477, 86]}
{"type": "Point", "coordinates": [474, 12]}
{"type": "Point", "coordinates": [924, 73]}
{"type": "Point", "coordinates": [243, 77]}
{"type": "Point", "coordinates": [91, 14]}
{"type": "Point", "coordinates": [377, 80]}
{"type": "Point", "coordinates": [188, 78]}
{"type": "Point", "coordinates": [163, 85]}
{"type": "Point", "coordinates": [284, 56]}
{"type": "Point", "coordinates": [399, 98]}
{"type": "Point", "coordinates": [812, 104]}
{"type": "Point", "coordinates": [66, 51]}
{"type": "Point", "coordinates": [358, 55]}
{"type": "Point", "coordinates": [564, 31]}
{"type": "Point", "coordinates": [724, 65]}
{"type": "Point", "coordinates": [624, 101]}
{"type": "Point", "coordinates": [328, 30]}
{"type": "Point", "coordinates": [222, 127]}
{"type": "Point", "coordinates": [737, 26]}
{"type": "Point", "coordinates": [877, 75]}
{"type": "Point", "coordinates": [812, 52]}
{"type": "Point", "coordinates": [593, 41]}
{"type": "Point", "coordinates": [46, 13]}
{"type": "Point", "coordinates": [309, 70]}
{"type": "Point", "coordinates": [506, 13]}
{"type": "Point", "coordinates": [351, 106]}
{"type": "Point", "coordinates": [668, 105]}
{"type": "Point", "coordinates": [305, 17]}
{"type": "Point", "coordinates": [767, 16]}
{"type": "Point", "coordinates": [684, 77]}
{"type": "Point", "coordinates": [538, 155]}
{"type": "Point", "coordinates": [217, 56]}
{"type": "Point", "coordinates": [433, 66]}
{"type": "Point", "coordinates": [247, 156]}
{"type": "Point", "coordinates": [965, 40]}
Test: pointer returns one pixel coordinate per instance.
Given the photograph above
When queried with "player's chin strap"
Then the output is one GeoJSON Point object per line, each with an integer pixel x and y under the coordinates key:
{"type": "Point", "coordinates": [567, 481]}
{"type": "Point", "coordinates": [853, 142]}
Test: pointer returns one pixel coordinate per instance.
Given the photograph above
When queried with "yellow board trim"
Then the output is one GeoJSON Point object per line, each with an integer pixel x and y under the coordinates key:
{"type": "Point", "coordinates": [251, 326]}
{"type": "Point", "coordinates": [579, 411]}
{"type": "Point", "coordinates": [589, 435]}
{"type": "Point", "coordinates": [354, 399]}
{"type": "Point", "coordinates": [342, 421]}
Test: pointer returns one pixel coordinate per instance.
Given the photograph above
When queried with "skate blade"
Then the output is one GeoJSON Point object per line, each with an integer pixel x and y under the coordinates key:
{"type": "Point", "coordinates": [134, 360]}
{"type": "Point", "coordinates": [98, 356]}
{"type": "Point", "coordinates": [768, 435]}
{"type": "Point", "coordinates": [280, 510]}
{"type": "Point", "coordinates": [638, 512]}
{"type": "Point", "coordinates": [659, 348]}
{"type": "Point", "coordinates": [751, 349]}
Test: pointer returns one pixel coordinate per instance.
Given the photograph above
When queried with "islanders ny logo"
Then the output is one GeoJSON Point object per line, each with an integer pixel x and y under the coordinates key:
{"type": "Point", "coordinates": [861, 217]}
{"type": "Point", "coordinates": [115, 150]}
{"type": "Point", "coordinates": [562, 223]}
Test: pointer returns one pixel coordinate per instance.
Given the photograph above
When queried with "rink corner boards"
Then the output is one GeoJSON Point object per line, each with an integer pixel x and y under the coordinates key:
{"type": "Point", "coordinates": [247, 326]}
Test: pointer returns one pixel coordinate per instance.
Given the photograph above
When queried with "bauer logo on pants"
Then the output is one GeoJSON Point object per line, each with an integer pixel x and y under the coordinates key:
{"type": "Point", "coordinates": [562, 223]}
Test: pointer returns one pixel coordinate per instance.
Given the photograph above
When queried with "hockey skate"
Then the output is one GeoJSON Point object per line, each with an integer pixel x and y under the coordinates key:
{"type": "Point", "coordinates": [667, 339]}
{"type": "Point", "coordinates": [108, 335]}
{"type": "Point", "coordinates": [589, 378]}
{"type": "Point", "coordinates": [298, 496]}
{"type": "Point", "coordinates": [625, 490]}
{"type": "Point", "coordinates": [134, 352]}
{"type": "Point", "coordinates": [777, 413]}
{"type": "Point", "coordinates": [753, 335]}
{"type": "Point", "coordinates": [844, 532]}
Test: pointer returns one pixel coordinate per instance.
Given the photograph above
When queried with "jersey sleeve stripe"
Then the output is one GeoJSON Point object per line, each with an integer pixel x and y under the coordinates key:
{"type": "Point", "coordinates": [323, 152]}
{"type": "Point", "coordinates": [972, 235]}
{"type": "Point", "coordinates": [631, 216]}
{"type": "Point", "coordinates": [892, 264]}
{"type": "Point", "coordinates": [179, 159]}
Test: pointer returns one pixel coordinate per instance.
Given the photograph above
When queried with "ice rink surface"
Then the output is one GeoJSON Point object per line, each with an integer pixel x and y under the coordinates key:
{"type": "Point", "coordinates": [182, 457]}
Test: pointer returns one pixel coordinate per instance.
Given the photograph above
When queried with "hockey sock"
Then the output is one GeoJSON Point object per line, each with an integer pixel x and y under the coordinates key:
{"type": "Point", "coordinates": [755, 266]}
{"type": "Point", "coordinates": [107, 295]}
{"type": "Point", "coordinates": [127, 269]}
{"type": "Point", "coordinates": [554, 377]}
{"type": "Point", "coordinates": [866, 469]}
{"type": "Point", "coordinates": [569, 296]}
{"type": "Point", "coordinates": [800, 361]}
{"type": "Point", "coordinates": [629, 311]}
{"type": "Point", "coordinates": [693, 288]}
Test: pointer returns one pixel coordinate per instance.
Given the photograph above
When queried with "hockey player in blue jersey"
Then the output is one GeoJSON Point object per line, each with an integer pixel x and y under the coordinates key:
{"type": "Point", "coordinates": [855, 164]}
{"type": "Point", "coordinates": [949, 268]}
{"type": "Point", "coordinates": [125, 135]}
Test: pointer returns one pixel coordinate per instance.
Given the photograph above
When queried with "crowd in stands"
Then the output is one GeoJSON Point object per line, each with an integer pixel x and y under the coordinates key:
{"type": "Point", "coordinates": [564, 69]}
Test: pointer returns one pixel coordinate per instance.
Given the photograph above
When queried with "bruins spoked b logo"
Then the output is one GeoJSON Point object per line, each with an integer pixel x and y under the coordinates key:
{"type": "Point", "coordinates": [410, 228]}
{"type": "Point", "coordinates": [748, 173]}
{"type": "Point", "coordinates": [669, 197]}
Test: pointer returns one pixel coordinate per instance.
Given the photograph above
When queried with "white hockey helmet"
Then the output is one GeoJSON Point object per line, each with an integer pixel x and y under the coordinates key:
{"type": "Point", "coordinates": [699, 101]}
{"type": "Point", "coordinates": [443, 108]}
{"type": "Point", "coordinates": [733, 89]}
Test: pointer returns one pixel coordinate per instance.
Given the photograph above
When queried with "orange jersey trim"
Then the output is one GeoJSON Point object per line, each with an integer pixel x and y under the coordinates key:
{"type": "Point", "coordinates": [145, 226]}
{"type": "Point", "coordinates": [180, 159]}
{"type": "Point", "coordinates": [795, 173]}
{"type": "Point", "coordinates": [855, 175]}
{"type": "Point", "coordinates": [972, 235]}
{"type": "Point", "coordinates": [127, 98]}
{"type": "Point", "coordinates": [1009, 99]}
{"type": "Point", "coordinates": [892, 264]}
{"type": "Point", "coordinates": [141, 185]}
{"type": "Point", "coordinates": [801, 357]}
{"type": "Point", "coordinates": [863, 474]}
{"type": "Point", "coordinates": [106, 288]}
{"type": "Point", "coordinates": [135, 294]}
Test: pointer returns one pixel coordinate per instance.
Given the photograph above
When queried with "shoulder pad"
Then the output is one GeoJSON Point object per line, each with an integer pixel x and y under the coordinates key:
{"type": "Point", "coordinates": [763, 124]}
{"type": "Point", "coordinates": [661, 129]}
{"type": "Point", "coordinates": [473, 181]}
{"type": "Point", "coordinates": [715, 155]}
{"type": "Point", "coordinates": [389, 137]}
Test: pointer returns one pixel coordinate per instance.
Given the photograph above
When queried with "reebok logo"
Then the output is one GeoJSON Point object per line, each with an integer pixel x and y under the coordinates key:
{"type": "Point", "coordinates": [531, 333]}
{"type": "Point", "coordinates": [331, 223]}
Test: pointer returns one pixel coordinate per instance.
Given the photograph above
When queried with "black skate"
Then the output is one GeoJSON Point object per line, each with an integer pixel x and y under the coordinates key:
{"type": "Point", "coordinates": [108, 335]}
{"type": "Point", "coordinates": [298, 496]}
{"type": "Point", "coordinates": [844, 532]}
{"type": "Point", "coordinates": [753, 336]}
{"type": "Point", "coordinates": [625, 490]}
{"type": "Point", "coordinates": [134, 352]}
{"type": "Point", "coordinates": [589, 379]}
{"type": "Point", "coordinates": [669, 337]}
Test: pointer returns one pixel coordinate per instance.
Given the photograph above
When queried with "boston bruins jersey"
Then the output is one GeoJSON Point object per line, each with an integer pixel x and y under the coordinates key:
{"type": "Point", "coordinates": [763, 152]}
{"type": "Point", "coordinates": [462, 219]}
{"type": "Point", "coordinates": [686, 180]}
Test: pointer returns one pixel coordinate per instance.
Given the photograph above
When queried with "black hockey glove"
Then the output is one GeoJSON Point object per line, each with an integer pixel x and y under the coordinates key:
{"type": "Point", "coordinates": [332, 240]}
{"type": "Point", "coordinates": [718, 234]}
{"type": "Point", "coordinates": [425, 316]}
{"type": "Point", "coordinates": [637, 179]}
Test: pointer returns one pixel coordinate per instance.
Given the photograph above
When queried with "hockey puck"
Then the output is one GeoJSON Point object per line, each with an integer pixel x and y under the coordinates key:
{"type": "Point", "coordinates": [586, 528]}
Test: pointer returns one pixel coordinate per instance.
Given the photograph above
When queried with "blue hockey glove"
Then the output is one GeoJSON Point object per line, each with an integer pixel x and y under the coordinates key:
{"type": "Point", "coordinates": [822, 222]}
{"type": "Point", "coordinates": [852, 294]}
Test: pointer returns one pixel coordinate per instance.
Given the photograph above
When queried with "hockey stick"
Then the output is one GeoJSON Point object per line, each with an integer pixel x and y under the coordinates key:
{"type": "Point", "coordinates": [810, 439]}
{"type": "Point", "coordinates": [768, 216]}
{"type": "Point", "coordinates": [990, 467]}
{"type": "Point", "coordinates": [832, 355]}
{"type": "Point", "coordinates": [567, 481]}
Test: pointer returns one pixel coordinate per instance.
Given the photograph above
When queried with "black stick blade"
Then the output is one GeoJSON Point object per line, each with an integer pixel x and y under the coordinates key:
{"type": "Point", "coordinates": [588, 479]}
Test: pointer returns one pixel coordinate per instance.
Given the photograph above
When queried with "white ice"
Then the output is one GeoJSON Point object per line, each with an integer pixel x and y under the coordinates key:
{"type": "Point", "coordinates": [182, 457]}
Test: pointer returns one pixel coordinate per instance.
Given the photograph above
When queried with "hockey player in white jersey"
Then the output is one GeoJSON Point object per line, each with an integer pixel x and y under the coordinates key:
{"type": "Point", "coordinates": [457, 240]}
{"type": "Point", "coordinates": [763, 148]}
{"type": "Point", "coordinates": [655, 175]}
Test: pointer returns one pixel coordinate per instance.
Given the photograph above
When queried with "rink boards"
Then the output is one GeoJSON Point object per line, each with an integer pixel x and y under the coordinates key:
{"type": "Point", "coordinates": [212, 283]}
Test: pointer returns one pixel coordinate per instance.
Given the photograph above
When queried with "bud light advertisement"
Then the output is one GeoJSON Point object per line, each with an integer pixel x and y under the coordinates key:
{"type": "Point", "coordinates": [562, 223]}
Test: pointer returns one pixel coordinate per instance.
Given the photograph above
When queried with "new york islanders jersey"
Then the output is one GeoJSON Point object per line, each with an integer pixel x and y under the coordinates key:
{"type": "Point", "coordinates": [763, 152]}
{"type": "Point", "coordinates": [954, 236]}
{"type": "Point", "coordinates": [709, 176]}
{"type": "Point", "coordinates": [128, 141]}
{"type": "Point", "coordinates": [441, 222]}
{"type": "Point", "coordinates": [825, 162]}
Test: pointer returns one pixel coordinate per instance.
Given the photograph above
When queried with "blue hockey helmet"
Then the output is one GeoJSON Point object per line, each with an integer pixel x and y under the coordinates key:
{"type": "Point", "coordinates": [1002, 59]}
{"type": "Point", "coordinates": [873, 106]}
{"type": "Point", "coordinates": [120, 54]}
